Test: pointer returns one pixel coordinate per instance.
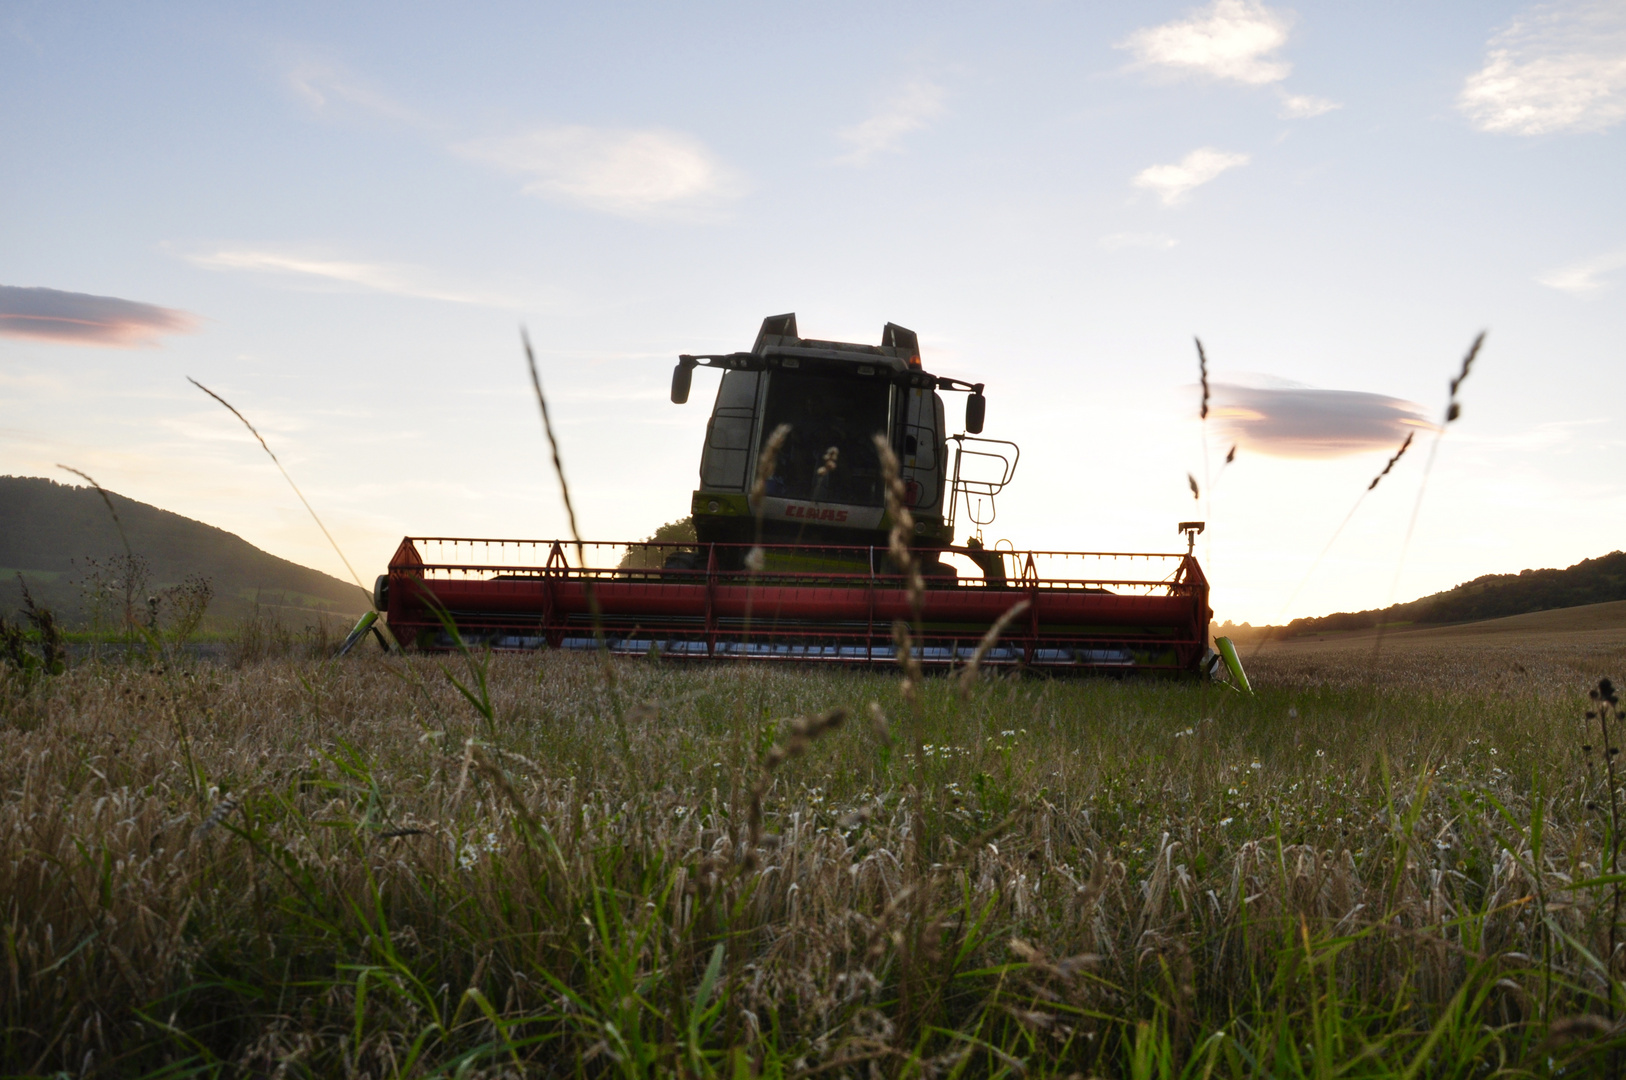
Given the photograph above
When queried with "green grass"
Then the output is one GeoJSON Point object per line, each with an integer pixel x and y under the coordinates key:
{"type": "Point", "coordinates": [308, 868]}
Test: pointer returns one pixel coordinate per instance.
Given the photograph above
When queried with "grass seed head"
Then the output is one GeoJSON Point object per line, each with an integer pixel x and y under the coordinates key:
{"type": "Point", "coordinates": [903, 522]}
{"type": "Point", "coordinates": [968, 677]}
{"type": "Point", "coordinates": [767, 462]}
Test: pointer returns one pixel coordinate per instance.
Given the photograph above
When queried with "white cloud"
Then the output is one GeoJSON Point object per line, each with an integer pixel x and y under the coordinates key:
{"type": "Point", "coordinates": [1304, 106]}
{"type": "Point", "coordinates": [1121, 240]}
{"type": "Point", "coordinates": [1581, 278]}
{"type": "Point", "coordinates": [1172, 182]}
{"type": "Point", "coordinates": [396, 278]}
{"type": "Point", "coordinates": [319, 85]}
{"type": "Point", "coordinates": [633, 173]}
{"type": "Point", "coordinates": [628, 173]}
{"type": "Point", "coordinates": [1229, 39]}
{"type": "Point", "coordinates": [917, 105]}
{"type": "Point", "coordinates": [1558, 67]}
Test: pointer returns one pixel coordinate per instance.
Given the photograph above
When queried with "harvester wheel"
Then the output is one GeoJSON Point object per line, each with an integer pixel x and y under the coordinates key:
{"type": "Point", "coordinates": [683, 560]}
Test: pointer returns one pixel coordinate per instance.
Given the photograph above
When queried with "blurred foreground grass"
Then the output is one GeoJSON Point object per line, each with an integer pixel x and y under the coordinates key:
{"type": "Point", "coordinates": [296, 867]}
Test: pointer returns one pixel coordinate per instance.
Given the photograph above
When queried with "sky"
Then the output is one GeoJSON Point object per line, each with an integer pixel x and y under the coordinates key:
{"type": "Point", "coordinates": [339, 217]}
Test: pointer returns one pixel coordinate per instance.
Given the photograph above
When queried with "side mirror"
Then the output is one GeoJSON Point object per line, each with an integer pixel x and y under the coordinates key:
{"type": "Point", "coordinates": [682, 377]}
{"type": "Point", "coordinates": [976, 410]}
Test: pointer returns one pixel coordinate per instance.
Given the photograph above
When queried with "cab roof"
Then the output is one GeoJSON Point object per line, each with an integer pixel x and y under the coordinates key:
{"type": "Point", "coordinates": [898, 351]}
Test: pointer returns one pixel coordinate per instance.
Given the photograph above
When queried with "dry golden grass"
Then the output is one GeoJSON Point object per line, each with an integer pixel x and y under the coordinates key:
{"type": "Point", "coordinates": [299, 867]}
{"type": "Point", "coordinates": [1547, 652]}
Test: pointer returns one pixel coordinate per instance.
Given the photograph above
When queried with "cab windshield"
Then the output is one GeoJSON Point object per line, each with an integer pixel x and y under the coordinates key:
{"type": "Point", "coordinates": [825, 413]}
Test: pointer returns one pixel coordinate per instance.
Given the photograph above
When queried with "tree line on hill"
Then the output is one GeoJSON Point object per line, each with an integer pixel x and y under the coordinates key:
{"type": "Point", "coordinates": [1493, 596]}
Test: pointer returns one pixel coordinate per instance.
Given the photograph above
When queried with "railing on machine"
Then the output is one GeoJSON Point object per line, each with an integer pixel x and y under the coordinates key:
{"type": "Point", "coordinates": [463, 558]}
{"type": "Point", "coordinates": [964, 489]}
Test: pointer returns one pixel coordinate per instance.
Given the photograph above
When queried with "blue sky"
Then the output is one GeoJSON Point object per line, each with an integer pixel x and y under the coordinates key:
{"type": "Point", "coordinates": [339, 218]}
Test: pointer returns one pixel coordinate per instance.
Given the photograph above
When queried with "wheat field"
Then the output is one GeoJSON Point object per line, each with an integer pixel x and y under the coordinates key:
{"type": "Point", "coordinates": [540, 866]}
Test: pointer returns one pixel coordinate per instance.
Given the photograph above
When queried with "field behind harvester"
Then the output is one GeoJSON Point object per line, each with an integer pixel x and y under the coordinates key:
{"type": "Point", "coordinates": [305, 867]}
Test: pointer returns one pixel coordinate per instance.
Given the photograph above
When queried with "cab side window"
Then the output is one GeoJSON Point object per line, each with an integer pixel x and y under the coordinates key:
{"type": "Point", "coordinates": [728, 435]}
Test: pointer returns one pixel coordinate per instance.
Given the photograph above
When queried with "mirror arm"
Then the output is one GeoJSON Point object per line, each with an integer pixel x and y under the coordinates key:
{"type": "Point", "coordinates": [721, 360]}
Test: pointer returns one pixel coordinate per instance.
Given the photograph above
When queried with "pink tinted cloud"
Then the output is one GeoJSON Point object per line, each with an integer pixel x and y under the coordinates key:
{"type": "Point", "coordinates": [69, 318]}
{"type": "Point", "coordinates": [1309, 422]}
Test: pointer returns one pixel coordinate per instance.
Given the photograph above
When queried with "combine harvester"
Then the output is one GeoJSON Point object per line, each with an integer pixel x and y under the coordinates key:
{"type": "Point", "coordinates": [802, 572]}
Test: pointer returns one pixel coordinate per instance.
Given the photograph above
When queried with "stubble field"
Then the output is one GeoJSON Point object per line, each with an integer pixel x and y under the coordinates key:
{"type": "Point", "coordinates": [305, 867]}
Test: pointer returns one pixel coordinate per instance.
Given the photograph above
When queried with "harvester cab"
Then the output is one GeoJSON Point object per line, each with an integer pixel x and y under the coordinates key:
{"type": "Point", "coordinates": [822, 487]}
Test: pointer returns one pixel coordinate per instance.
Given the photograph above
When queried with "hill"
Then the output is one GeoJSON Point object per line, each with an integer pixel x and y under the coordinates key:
{"type": "Point", "coordinates": [1586, 622]}
{"type": "Point", "coordinates": [57, 535]}
{"type": "Point", "coordinates": [1493, 596]}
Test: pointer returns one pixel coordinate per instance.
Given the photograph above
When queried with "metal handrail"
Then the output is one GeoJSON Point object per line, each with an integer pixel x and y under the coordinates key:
{"type": "Point", "coordinates": [982, 489]}
{"type": "Point", "coordinates": [569, 546]}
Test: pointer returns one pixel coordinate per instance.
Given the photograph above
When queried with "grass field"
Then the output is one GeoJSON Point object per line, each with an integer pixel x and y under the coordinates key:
{"type": "Point", "coordinates": [302, 867]}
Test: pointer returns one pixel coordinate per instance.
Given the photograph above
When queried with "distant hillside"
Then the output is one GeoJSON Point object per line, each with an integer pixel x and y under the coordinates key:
{"type": "Point", "coordinates": [1494, 596]}
{"type": "Point", "coordinates": [49, 531]}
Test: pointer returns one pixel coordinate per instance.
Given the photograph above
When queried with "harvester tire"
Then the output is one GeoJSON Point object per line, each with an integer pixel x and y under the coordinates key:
{"type": "Point", "coordinates": [683, 560]}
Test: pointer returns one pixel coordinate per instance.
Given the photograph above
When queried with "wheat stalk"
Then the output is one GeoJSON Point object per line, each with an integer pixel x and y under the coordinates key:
{"type": "Point", "coordinates": [968, 677]}
{"type": "Point", "coordinates": [903, 525]}
{"type": "Point", "coordinates": [605, 663]}
{"type": "Point", "coordinates": [308, 507]}
{"type": "Point", "coordinates": [803, 732]}
{"type": "Point", "coordinates": [1453, 410]}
